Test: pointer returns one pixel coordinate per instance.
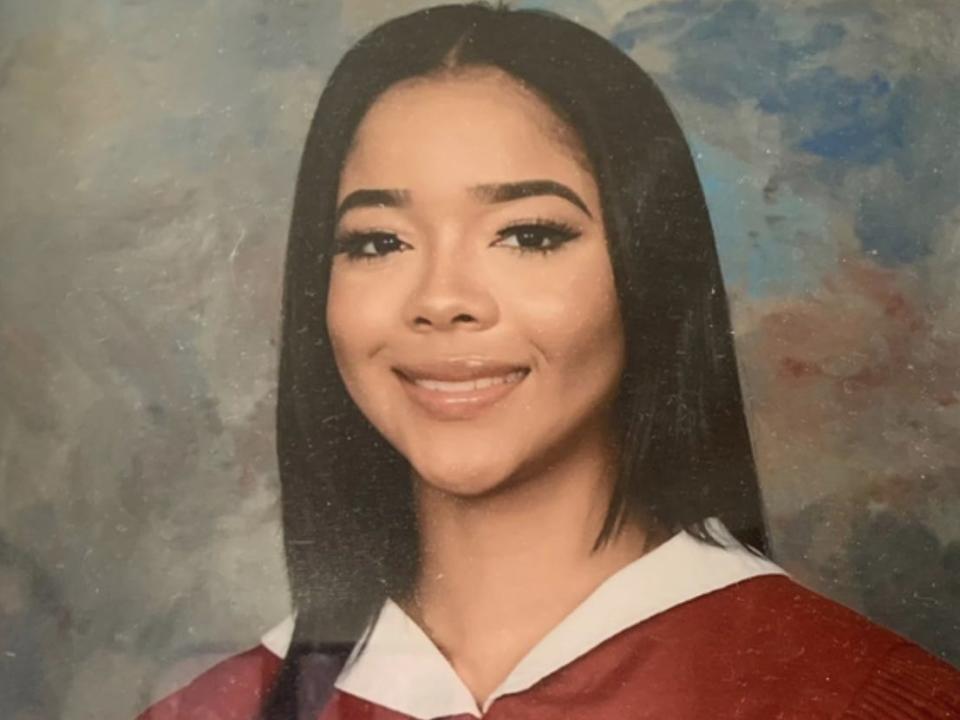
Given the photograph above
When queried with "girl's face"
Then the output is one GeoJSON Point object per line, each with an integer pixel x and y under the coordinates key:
{"type": "Point", "coordinates": [472, 306]}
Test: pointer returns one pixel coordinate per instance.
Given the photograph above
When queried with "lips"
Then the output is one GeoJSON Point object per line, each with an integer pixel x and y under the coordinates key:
{"type": "Point", "coordinates": [462, 386]}
{"type": "Point", "coordinates": [458, 369]}
{"type": "Point", "coordinates": [459, 389]}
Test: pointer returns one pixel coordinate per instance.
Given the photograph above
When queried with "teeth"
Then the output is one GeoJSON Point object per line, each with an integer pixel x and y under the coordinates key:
{"type": "Point", "coordinates": [470, 385]}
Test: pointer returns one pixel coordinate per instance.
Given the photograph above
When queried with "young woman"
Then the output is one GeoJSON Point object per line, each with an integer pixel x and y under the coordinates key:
{"type": "Point", "coordinates": [517, 479]}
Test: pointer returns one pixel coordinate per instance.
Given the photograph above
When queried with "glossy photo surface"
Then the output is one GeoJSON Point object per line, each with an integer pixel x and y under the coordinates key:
{"type": "Point", "coordinates": [148, 165]}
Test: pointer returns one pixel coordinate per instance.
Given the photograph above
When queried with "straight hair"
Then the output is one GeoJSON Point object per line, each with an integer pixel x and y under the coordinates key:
{"type": "Point", "coordinates": [350, 532]}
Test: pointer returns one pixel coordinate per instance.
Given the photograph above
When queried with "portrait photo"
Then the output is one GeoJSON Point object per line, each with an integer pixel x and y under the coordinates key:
{"type": "Point", "coordinates": [508, 360]}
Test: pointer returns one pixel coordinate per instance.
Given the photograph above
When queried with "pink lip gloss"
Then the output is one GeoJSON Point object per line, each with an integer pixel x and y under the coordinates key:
{"type": "Point", "coordinates": [461, 400]}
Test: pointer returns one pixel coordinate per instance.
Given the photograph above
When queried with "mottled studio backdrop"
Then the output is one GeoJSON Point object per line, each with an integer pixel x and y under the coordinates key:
{"type": "Point", "coordinates": [147, 157]}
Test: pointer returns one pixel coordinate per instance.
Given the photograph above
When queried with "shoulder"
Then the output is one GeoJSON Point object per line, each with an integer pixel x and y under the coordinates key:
{"type": "Point", "coordinates": [776, 608]}
{"type": "Point", "coordinates": [233, 689]}
{"type": "Point", "coordinates": [786, 618]}
{"type": "Point", "coordinates": [770, 644]}
{"type": "Point", "coordinates": [908, 682]}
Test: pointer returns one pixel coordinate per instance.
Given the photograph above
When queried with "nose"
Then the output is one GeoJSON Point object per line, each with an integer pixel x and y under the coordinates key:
{"type": "Point", "coordinates": [450, 293]}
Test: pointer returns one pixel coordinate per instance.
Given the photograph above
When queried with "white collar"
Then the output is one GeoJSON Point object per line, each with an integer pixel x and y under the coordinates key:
{"type": "Point", "coordinates": [401, 669]}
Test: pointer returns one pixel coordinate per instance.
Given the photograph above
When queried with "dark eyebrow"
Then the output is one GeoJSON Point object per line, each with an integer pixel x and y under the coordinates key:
{"type": "Point", "coordinates": [373, 198]}
{"type": "Point", "coordinates": [492, 193]}
{"type": "Point", "coordinates": [505, 192]}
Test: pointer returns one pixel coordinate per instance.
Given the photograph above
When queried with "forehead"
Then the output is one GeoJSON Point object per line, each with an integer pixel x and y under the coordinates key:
{"type": "Point", "coordinates": [471, 127]}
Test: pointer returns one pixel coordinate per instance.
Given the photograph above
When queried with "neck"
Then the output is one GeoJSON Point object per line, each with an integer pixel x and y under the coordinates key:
{"type": "Point", "coordinates": [498, 572]}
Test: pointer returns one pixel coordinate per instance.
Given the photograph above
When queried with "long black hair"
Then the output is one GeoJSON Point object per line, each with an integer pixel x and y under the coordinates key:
{"type": "Point", "coordinates": [350, 533]}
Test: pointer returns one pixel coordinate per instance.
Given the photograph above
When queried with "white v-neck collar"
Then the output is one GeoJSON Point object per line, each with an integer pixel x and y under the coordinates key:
{"type": "Point", "coordinates": [400, 668]}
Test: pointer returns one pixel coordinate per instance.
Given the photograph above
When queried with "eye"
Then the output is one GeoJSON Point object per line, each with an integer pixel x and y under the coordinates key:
{"type": "Point", "coordinates": [369, 245]}
{"type": "Point", "coordinates": [541, 236]}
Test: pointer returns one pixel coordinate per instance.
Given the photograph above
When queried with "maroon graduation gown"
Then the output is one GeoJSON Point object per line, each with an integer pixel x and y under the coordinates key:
{"type": "Point", "coordinates": [759, 649]}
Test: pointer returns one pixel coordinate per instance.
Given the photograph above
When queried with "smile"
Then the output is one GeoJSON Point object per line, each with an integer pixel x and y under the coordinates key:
{"type": "Point", "coordinates": [467, 386]}
{"type": "Point", "coordinates": [459, 390]}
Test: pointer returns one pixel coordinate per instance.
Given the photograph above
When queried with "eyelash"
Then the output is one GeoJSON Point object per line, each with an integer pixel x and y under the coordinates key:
{"type": "Point", "coordinates": [351, 243]}
{"type": "Point", "coordinates": [560, 233]}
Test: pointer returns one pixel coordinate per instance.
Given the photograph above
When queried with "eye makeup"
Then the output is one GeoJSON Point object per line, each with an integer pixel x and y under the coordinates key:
{"type": "Point", "coordinates": [368, 244]}
{"type": "Point", "coordinates": [532, 236]}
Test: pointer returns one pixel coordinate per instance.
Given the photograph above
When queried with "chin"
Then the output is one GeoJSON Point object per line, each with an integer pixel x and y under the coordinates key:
{"type": "Point", "coordinates": [464, 479]}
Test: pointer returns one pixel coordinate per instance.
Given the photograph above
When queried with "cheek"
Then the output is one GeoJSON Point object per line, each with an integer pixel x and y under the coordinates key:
{"type": "Point", "coordinates": [356, 323]}
{"type": "Point", "coordinates": [577, 325]}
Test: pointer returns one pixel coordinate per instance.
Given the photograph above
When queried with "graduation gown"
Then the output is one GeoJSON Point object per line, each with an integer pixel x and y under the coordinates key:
{"type": "Point", "coordinates": [687, 631]}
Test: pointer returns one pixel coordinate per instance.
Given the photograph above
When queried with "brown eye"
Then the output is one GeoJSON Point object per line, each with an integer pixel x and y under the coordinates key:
{"type": "Point", "coordinates": [370, 244]}
{"type": "Point", "coordinates": [542, 237]}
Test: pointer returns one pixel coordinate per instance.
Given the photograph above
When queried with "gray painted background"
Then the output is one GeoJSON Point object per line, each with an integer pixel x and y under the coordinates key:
{"type": "Point", "coordinates": [147, 158]}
